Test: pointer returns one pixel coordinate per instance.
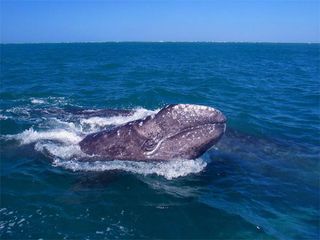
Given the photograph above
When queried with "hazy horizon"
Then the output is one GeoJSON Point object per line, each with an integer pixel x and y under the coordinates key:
{"type": "Point", "coordinates": [6, 43]}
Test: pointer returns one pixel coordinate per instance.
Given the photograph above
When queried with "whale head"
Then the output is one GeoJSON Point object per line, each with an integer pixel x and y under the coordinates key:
{"type": "Point", "coordinates": [178, 131]}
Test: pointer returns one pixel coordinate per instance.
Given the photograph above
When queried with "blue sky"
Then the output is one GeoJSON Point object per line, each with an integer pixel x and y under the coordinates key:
{"type": "Point", "coordinates": [83, 21]}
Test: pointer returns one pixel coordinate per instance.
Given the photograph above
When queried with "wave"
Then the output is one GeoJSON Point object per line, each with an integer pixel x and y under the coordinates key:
{"type": "Point", "coordinates": [58, 140]}
{"type": "Point", "coordinates": [52, 101]}
{"type": "Point", "coordinates": [61, 151]}
{"type": "Point", "coordinates": [2, 117]}
{"type": "Point", "coordinates": [37, 101]}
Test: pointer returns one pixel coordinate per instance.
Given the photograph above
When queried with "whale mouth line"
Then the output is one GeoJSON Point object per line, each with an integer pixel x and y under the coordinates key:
{"type": "Point", "coordinates": [185, 130]}
{"type": "Point", "coordinates": [188, 129]}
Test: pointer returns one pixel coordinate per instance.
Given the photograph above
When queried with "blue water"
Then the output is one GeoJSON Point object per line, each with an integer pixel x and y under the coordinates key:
{"type": "Point", "coordinates": [260, 182]}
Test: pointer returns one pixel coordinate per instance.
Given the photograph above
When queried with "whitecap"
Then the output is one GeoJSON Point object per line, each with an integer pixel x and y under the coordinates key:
{"type": "Point", "coordinates": [37, 101]}
{"type": "Point", "coordinates": [2, 117]}
{"type": "Point", "coordinates": [19, 111]}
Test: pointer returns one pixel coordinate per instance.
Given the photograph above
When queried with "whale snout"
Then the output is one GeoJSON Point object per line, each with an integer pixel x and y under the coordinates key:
{"type": "Point", "coordinates": [206, 124]}
{"type": "Point", "coordinates": [189, 129]}
{"type": "Point", "coordinates": [194, 115]}
{"type": "Point", "coordinates": [217, 119]}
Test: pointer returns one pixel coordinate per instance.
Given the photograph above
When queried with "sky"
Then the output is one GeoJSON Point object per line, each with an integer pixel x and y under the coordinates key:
{"type": "Point", "coordinates": [44, 21]}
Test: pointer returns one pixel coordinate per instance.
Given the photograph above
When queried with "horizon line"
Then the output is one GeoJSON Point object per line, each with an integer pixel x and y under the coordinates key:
{"type": "Point", "coordinates": [160, 41]}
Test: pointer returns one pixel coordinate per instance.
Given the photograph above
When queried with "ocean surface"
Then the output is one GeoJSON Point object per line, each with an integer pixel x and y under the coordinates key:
{"type": "Point", "coordinates": [261, 181]}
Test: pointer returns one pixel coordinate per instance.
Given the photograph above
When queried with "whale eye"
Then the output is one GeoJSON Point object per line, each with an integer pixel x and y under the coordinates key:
{"type": "Point", "coordinates": [149, 145]}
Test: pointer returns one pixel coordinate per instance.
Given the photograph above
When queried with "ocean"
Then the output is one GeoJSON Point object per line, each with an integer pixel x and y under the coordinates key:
{"type": "Point", "coordinates": [261, 181]}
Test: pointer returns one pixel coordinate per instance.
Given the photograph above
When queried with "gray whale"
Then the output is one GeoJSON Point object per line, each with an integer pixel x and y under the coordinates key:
{"type": "Point", "coordinates": [178, 131]}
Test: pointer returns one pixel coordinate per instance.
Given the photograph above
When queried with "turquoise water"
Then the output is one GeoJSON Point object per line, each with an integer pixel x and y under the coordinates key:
{"type": "Point", "coordinates": [260, 182]}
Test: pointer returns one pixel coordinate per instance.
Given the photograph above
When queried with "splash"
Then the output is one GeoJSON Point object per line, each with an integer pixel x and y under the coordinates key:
{"type": "Point", "coordinates": [169, 169]}
{"type": "Point", "coordinates": [96, 123]}
{"type": "Point", "coordinates": [31, 136]}
{"type": "Point", "coordinates": [61, 151]}
{"type": "Point", "coordinates": [58, 140]}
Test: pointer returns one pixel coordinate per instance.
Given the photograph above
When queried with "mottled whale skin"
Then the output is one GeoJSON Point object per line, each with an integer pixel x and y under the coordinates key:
{"type": "Point", "coordinates": [178, 131]}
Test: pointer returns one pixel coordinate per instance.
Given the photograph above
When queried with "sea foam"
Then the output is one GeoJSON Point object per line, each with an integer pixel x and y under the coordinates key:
{"type": "Point", "coordinates": [37, 101]}
{"type": "Point", "coordinates": [95, 123]}
{"type": "Point", "coordinates": [169, 170]}
{"type": "Point", "coordinates": [31, 136]}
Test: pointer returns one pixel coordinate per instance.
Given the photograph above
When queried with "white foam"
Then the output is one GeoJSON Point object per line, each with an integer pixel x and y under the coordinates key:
{"type": "Point", "coordinates": [30, 136]}
{"type": "Point", "coordinates": [37, 101]}
{"type": "Point", "coordinates": [2, 117]}
{"type": "Point", "coordinates": [59, 124]}
{"type": "Point", "coordinates": [71, 151]}
{"type": "Point", "coordinates": [169, 169]}
{"type": "Point", "coordinates": [19, 110]}
{"type": "Point", "coordinates": [58, 101]}
{"type": "Point", "coordinates": [95, 123]}
{"type": "Point", "coordinates": [53, 101]}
